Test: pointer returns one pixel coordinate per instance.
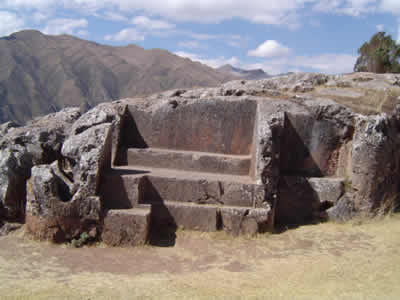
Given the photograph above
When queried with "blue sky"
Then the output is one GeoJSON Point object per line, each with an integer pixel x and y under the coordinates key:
{"type": "Point", "coordinates": [275, 35]}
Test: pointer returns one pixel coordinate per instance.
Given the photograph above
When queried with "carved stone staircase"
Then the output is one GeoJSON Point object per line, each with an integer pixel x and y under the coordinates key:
{"type": "Point", "coordinates": [185, 189]}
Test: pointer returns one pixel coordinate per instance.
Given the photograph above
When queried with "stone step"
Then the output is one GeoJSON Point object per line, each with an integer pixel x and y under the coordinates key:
{"type": "Point", "coordinates": [125, 187]}
{"type": "Point", "coordinates": [190, 160]}
{"type": "Point", "coordinates": [209, 218]}
{"type": "Point", "coordinates": [127, 227]}
{"type": "Point", "coordinates": [303, 198]}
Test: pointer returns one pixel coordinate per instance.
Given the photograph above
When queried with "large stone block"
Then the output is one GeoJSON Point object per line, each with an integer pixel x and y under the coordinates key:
{"type": "Point", "coordinates": [186, 216]}
{"type": "Point", "coordinates": [311, 145]}
{"type": "Point", "coordinates": [201, 190]}
{"type": "Point", "coordinates": [375, 162]}
{"type": "Point", "coordinates": [126, 227]}
{"type": "Point", "coordinates": [210, 125]}
{"type": "Point", "coordinates": [119, 190]}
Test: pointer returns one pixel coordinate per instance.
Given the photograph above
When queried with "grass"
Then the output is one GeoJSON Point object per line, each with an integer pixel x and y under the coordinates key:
{"type": "Point", "coordinates": [325, 261]}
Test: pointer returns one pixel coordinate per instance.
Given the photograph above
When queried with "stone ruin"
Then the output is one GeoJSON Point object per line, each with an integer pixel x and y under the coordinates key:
{"type": "Point", "coordinates": [245, 158]}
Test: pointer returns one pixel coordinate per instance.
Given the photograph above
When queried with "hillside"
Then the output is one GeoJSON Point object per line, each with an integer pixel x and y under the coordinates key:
{"type": "Point", "coordinates": [244, 74]}
{"type": "Point", "coordinates": [41, 74]}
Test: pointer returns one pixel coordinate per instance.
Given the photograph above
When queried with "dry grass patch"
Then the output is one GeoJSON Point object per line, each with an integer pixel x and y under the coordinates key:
{"type": "Point", "coordinates": [372, 101]}
{"type": "Point", "coordinates": [325, 261]}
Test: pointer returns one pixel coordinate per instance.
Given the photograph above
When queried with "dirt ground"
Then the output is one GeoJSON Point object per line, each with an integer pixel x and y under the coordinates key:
{"type": "Point", "coordinates": [325, 261]}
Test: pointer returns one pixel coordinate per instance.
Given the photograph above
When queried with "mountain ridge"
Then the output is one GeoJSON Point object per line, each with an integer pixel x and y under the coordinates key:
{"type": "Point", "coordinates": [41, 74]}
{"type": "Point", "coordinates": [254, 74]}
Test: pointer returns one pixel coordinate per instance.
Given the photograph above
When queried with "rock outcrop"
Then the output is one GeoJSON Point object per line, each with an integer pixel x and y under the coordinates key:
{"type": "Point", "coordinates": [21, 148]}
{"type": "Point", "coordinates": [243, 158]}
{"type": "Point", "coordinates": [62, 199]}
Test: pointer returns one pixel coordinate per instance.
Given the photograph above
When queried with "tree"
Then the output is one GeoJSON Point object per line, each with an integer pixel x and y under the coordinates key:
{"type": "Point", "coordinates": [380, 55]}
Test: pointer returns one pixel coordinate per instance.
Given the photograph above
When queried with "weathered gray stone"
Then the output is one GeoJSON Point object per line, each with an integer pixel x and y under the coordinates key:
{"type": "Point", "coordinates": [62, 199]}
{"type": "Point", "coordinates": [128, 227]}
{"type": "Point", "coordinates": [23, 147]}
{"type": "Point", "coordinates": [296, 83]}
{"type": "Point", "coordinates": [250, 195]}
{"type": "Point", "coordinates": [7, 228]}
{"type": "Point", "coordinates": [375, 161]}
{"type": "Point", "coordinates": [101, 114]}
{"type": "Point", "coordinates": [245, 221]}
{"type": "Point", "coordinates": [51, 214]}
{"type": "Point", "coordinates": [343, 211]}
{"type": "Point", "coordinates": [6, 127]}
{"type": "Point", "coordinates": [85, 154]}
{"type": "Point", "coordinates": [328, 190]}
{"type": "Point", "coordinates": [232, 219]}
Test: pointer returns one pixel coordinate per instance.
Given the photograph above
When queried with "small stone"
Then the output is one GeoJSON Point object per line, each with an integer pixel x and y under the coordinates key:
{"type": "Point", "coordinates": [93, 232]}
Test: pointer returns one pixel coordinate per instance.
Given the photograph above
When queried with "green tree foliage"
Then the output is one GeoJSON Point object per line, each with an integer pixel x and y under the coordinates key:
{"type": "Point", "coordinates": [380, 55]}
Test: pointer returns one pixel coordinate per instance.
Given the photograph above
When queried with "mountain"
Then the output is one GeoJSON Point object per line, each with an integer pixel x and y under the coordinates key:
{"type": "Point", "coordinates": [243, 74]}
{"type": "Point", "coordinates": [40, 74]}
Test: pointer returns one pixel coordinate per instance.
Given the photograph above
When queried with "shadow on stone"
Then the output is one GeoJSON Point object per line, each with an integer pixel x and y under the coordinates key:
{"type": "Point", "coordinates": [114, 193]}
{"type": "Point", "coordinates": [163, 236]}
{"type": "Point", "coordinates": [163, 226]}
{"type": "Point", "coordinates": [129, 137]}
{"type": "Point", "coordinates": [297, 203]}
{"type": "Point", "coordinates": [296, 158]}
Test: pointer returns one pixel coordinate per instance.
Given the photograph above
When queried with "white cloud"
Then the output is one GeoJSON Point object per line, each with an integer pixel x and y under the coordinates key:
{"type": "Point", "coordinates": [113, 16]}
{"type": "Point", "coordinates": [10, 23]}
{"type": "Point", "coordinates": [27, 4]}
{"type": "Point", "coordinates": [192, 45]}
{"type": "Point", "coordinates": [126, 35]}
{"type": "Point", "coordinates": [202, 36]}
{"type": "Point", "coordinates": [270, 48]}
{"type": "Point", "coordinates": [353, 8]}
{"type": "Point", "coordinates": [151, 24]}
{"type": "Point", "coordinates": [390, 6]}
{"type": "Point", "coordinates": [211, 62]}
{"type": "Point", "coordinates": [380, 27]}
{"type": "Point", "coordinates": [275, 12]}
{"type": "Point", "coordinates": [39, 17]}
{"type": "Point", "coordinates": [332, 63]}
{"type": "Point", "coordinates": [65, 26]}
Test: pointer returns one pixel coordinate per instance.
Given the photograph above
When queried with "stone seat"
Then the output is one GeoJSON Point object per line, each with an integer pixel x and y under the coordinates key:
{"type": "Point", "coordinates": [189, 160]}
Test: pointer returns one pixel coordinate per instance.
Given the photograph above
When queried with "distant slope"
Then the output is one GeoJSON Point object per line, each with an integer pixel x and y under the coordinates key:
{"type": "Point", "coordinates": [243, 74]}
{"type": "Point", "coordinates": [40, 74]}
